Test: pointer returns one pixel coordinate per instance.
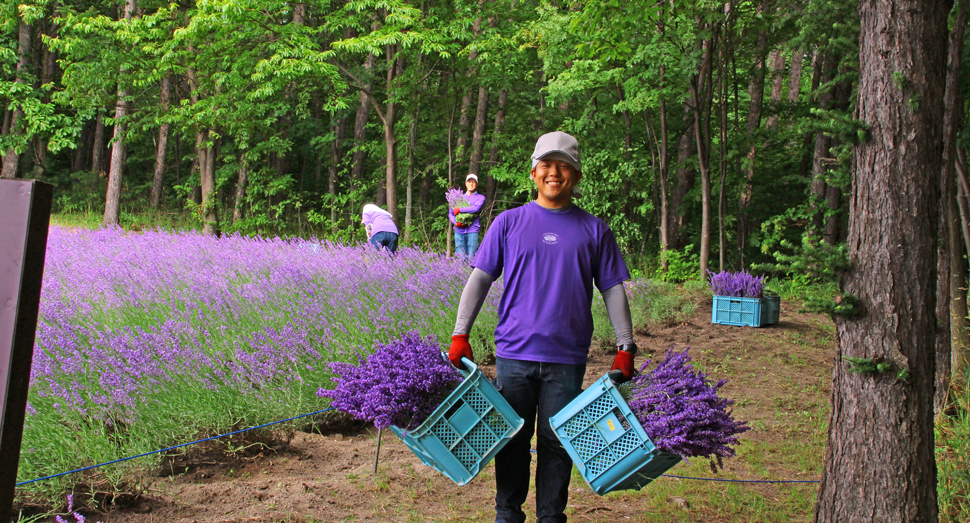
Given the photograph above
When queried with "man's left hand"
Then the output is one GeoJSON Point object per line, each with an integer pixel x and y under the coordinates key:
{"type": "Point", "coordinates": [624, 362]}
{"type": "Point", "coordinates": [455, 210]}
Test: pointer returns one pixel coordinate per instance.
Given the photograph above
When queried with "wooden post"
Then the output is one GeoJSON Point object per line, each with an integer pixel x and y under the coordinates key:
{"type": "Point", "coordinates": [24, 221]}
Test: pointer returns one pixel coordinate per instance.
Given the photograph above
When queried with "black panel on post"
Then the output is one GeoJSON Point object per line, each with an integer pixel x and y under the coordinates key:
{"type": "Point", "coordinates": [25, 207]}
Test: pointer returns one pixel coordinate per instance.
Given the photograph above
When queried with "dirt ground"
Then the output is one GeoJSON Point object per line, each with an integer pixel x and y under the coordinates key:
{"type": "Point", "coordinates": [329, 477]}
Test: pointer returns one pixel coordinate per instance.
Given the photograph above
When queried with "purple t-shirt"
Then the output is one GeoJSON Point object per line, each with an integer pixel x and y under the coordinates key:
{"type": "Point", "coordinates": [475, 202]}
{"type": "Point", "coordinates": [550, 261]}
{"type": "Point", "coordinates": [379, 222]}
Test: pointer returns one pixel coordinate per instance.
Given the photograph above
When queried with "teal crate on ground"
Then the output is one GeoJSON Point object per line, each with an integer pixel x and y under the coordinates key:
{"type": "Point", "coordinates": [466, 431]}
{"type": "Point", "coordinates": [746, 312]}
{"type": "Point", "coordinates": [607, 443]}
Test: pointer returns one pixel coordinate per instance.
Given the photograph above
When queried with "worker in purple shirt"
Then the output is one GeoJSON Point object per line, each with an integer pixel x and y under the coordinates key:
{"type": "Point", "coordinates": [550, 254]}
{"type": "Point", "coordinates": [466, 234]}
{"type": "Point", "coordinates": [381, 229]}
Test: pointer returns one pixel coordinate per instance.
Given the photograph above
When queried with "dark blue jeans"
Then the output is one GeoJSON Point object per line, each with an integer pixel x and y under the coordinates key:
{"type": "Point", "coordinates": [383, 239]}
{"type": "Point", "coordinates": [536, 391]}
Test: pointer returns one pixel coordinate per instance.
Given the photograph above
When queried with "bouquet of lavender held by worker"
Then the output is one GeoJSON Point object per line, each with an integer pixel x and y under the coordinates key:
{"type": "Point", "coordinates": [681, 412]}
{"type": "Point", "coordinates": [400, 384]}
{"type": "Point", "coordinates": [456, 198]}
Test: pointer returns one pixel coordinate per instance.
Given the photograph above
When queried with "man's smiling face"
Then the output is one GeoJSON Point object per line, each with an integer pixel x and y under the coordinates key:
{"type": "Point", "coordinates": [554, 180]}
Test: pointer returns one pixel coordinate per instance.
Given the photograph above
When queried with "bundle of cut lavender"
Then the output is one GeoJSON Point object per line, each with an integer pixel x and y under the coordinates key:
{"type": "Point", "coordinates": [681, 412]}
{"type": "Point", "coordinates": [400, 384]}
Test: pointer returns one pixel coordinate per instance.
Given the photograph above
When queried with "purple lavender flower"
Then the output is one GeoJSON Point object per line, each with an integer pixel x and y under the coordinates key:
{"type": "Point", "coordinates": [455, 198]}
{"type": "Point", "coordinates": [681, 412]}
{"type": "Point", "coordinates": [736, 284]}
{"type": "Point", "coordinates": [400, 384]}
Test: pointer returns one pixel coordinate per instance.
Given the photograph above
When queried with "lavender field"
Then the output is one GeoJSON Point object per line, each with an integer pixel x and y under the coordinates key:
{"type": "Point", "coordinates": [154, 338]}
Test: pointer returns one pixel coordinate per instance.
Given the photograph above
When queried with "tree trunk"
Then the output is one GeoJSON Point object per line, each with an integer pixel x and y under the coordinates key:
{"type": "Point", "coordinates": [207, 182]}
{"type": "Point", "coordinates": [960, 352]}
{"type": "Point", "coordinates": [79, 158]}
{"type": "Point", "coordinates": [492, 184]}
{"type": "Point", "coordinates": [338, 128]}
{"type": "Point", "coordinates": [795, 75]}
{"type": "Point", "coordinates": [664, 176]}
{"type": "Point", "coordinates": [162, 147]}
{"type": "Point", "coordinates": [950, 302]}
{"type": "Point", "coordinates": [478, 133]}
{"type": "Point", "coordinates": [360, 132]}
{"type": "Point", "coordinates": [686, 177]}
{"type": "Point", "coordinates": [701, 86]}
{"type": "Point", "coordinates": [880, 463]}
{"type": "Point", "coordinates": [823, 143]}
{"type": "Point", "coordinates": [466, 102]}
{"type": "Point", "coordinates": [389, 118]}
{"type": "Point", "coordinates": [97, 149]}
{"type": "Point", "coordinates": [722, 157]}
{"type": "Point", "coordinates": [112, 204]}
{"type": "Point", "coordinates": [756, 92]}
{"type": "Point", "coordinates": [11, 159]}
{"type": "Point", "coordinates": [776, 61]}
{"type": "Point", "coordinates": [242, 182]}
{"type": "Point", "coordinates": [409, 195]}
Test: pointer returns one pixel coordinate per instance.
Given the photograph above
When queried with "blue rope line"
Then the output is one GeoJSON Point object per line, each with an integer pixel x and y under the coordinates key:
{"type": "Point", "coordinates": [331, 408]}
{"type": "Point", "coordinates": [171, 448]}
{"type": "Point", "coordinates": [738, 480]}
{"type": "Point", "coordinates": [747, 480]}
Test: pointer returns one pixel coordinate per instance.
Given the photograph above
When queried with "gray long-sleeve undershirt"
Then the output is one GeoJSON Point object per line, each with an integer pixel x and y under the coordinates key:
{"type": "Point", "coordinates": [476, 289]}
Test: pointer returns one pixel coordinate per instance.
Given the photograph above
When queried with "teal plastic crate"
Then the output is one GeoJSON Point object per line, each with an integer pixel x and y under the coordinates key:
{"type": "Point", "coordinates": [607, 443]}
{"type": "Point", "coordinates": [746, 312]}
{"type": "Point", "coordinates": [466, 431]}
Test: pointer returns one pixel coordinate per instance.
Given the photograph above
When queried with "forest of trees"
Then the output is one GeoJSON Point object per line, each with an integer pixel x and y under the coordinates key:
{"type": "Point", "coordinates": [708, 129]}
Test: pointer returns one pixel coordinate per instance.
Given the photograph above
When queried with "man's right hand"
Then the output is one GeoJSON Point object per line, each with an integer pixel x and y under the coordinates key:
{"type": "Point", "coordinates": [460, 348]}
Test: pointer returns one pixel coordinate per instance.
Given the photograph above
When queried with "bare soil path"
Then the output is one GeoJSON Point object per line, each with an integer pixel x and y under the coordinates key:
{"type": "Point", "coordinates": [779, 376]}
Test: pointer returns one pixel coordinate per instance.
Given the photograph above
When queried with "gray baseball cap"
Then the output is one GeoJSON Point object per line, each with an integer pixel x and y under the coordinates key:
{"type": "Point", "coordinates": [559, 146]}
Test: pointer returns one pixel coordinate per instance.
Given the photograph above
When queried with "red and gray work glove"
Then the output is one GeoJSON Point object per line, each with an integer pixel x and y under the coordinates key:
{"type": "Point", "coordinates": [624, 363]}
{"type": "Point", "coordinates": [460, 348]}
{"type": "Point", "coordinates": [456, 211]}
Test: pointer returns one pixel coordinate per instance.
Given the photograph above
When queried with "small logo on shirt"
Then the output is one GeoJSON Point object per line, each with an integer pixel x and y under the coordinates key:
{"type": "Point", "coordinates": [550, 238]}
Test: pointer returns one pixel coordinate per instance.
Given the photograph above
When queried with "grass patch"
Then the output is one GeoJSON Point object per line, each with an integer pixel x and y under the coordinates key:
{"type": "Point", "coordinates": [953, 456]}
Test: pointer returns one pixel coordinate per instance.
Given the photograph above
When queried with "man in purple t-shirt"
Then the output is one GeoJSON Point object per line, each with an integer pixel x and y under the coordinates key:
{"type": "Point", "coordinates": [466, 234]}
{"type": "Point", "coordinates": [550, 253]}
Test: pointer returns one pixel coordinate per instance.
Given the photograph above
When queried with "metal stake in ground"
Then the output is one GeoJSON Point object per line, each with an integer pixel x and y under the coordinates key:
{"type": "Point", "coordinates": [377, 455]}
{"type": "Point", "coordinates": [24, 220]}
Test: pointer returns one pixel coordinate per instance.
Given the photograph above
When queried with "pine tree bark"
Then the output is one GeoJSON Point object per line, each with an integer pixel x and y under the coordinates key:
{"type": "Point", "coordinates": [880, 463]}
{"type": "Point", "coordinates": [11, 159]}
{"type": "Point", "coordinates": [161, 150]}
